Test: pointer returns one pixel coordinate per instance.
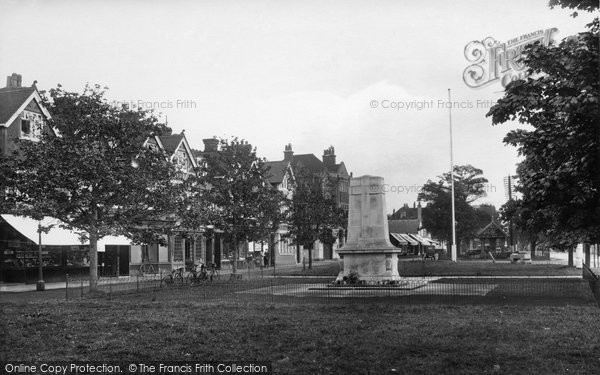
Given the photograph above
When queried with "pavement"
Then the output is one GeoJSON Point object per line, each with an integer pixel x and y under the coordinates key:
{"type": "Point", "coordinates": [19, 288]}
{"type": "Point", "coordinates": [224, 273]}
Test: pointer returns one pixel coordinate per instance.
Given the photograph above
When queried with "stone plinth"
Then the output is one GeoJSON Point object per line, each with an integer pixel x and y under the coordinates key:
{"type": "Point", "coordinates": [368, 250]}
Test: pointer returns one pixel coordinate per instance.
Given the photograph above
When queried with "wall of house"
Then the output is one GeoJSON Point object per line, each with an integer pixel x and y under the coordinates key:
{"type": "Point", "coordinates": [285, 252]}
{"type": "Point", "coordinates": [3, 144]}
{"type": "Point", "coordinates": [11, 133]}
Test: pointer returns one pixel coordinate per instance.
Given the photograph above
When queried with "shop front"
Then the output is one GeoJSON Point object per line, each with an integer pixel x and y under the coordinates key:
{"type": "Point", "coordinates": [63, 252]}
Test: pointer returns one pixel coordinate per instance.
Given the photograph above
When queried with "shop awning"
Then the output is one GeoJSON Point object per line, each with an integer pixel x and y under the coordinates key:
{"type": "Point", "coordinates": [56, 236]}
{"type": "Point", "coordinates": [409, 239]}
{"type": "Point", "coordinates": [422, 240]}
{"type": "Point", "coordinates": [399, 238]}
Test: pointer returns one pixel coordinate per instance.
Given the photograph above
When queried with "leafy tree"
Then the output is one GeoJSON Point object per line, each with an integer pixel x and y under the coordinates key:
{"type": "Point", "coordinates": [96, 177]}
{"type": "Point", "coordinates": [312, 212]}
{"type": "Point", "coordinates": [526, 222]}
{"type": "Point", "coordinates": [241, 202]}
{"type": "Point", "coordinates": [559, 175]}
{"type": "Point", "coordinates": [469, 185]}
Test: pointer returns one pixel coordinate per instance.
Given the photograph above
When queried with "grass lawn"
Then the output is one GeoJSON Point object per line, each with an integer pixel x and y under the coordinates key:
{"type": "Point", "coordinates": [449, 268]}
{"type": "Point", "coordinates": [372, 338]}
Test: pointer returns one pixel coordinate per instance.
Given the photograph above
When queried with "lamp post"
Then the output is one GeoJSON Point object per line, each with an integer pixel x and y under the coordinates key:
{"type": "Point", "coordinates": [41, 285]}
{"type": "Point", "coordinates": [453, 251]}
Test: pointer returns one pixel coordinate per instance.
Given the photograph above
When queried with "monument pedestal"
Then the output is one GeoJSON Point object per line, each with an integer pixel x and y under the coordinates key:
{"type": "Point", "coordinates": [368, 250]}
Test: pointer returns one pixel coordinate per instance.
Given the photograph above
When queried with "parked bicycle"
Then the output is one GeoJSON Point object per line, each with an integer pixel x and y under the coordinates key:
{"type": "Point", "coordinates": [175, 278]}
{"type": "Point", "coordinates": [213, 271]}
{"type": "Point", "coordinates": [198, 275]}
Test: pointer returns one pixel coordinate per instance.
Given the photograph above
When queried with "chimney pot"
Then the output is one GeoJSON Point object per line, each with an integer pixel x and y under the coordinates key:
{"type": "Point", "coordinates": [288, 153]}
{"type": "Point", "coordinates": [13, 81]}
{"type": "Point", "coordinates": [210, 144]}
{"type": "Point", "coordinates": [329, 156]}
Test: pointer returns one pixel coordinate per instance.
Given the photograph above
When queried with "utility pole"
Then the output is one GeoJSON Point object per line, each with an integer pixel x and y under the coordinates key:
{"type": "Point", "coordinates": [454, 254]}
{"type": "Point", "coordinates": [510, 226]}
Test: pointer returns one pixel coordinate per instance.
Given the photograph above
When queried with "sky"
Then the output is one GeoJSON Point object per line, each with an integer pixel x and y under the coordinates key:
{"type": "Point", "coordinates": [370, 78]}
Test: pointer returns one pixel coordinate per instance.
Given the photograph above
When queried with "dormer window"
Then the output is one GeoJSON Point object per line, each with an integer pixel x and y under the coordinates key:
{"type": "Point", "coordinates": [31, 125]}
{"type": "Point", "coordinates": [25, 127]}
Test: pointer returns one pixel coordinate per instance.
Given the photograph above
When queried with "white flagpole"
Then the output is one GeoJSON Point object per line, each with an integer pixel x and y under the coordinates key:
{"type": "Point", "coordinates": [453, 250]}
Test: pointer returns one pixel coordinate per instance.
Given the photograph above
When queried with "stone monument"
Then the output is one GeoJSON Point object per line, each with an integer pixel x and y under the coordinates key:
{"type": "Point", "coordinates": [368, 250]}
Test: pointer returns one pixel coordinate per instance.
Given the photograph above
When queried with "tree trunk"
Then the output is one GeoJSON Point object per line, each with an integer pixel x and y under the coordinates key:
{"type": "Point", "coordinates": [586, 252]}
{"type": "Point", "coordinates": [235, 257]}
{"type": "Point", "coordinates": [570, 257]}
{"type": "Point", "coordinates": [93, 255]}
{"type": "Point", "coordinates": [310, 249]}
{"type": "Point", "coordinates": [272, 250]}
{"type": "Point", "coordinates": [532, 244]}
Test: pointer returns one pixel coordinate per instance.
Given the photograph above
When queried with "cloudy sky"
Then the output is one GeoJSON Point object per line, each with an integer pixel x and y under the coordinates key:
{"type": "Point", "coordinates": [307, 73]}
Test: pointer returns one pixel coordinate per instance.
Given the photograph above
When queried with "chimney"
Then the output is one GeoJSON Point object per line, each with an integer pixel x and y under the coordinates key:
{"type": "Point", "coordinates": [419, 213]}
{"type": "Point", "coordinates": [247, 146]}
{"type": "Point", "coordinates": [287, 152]}
{"type": "Point", "coordinates": [13, 81]}
{"type": "Point", "coordinates": [211, 144]}
{"type": "Point", "coordinates": [329, 156]}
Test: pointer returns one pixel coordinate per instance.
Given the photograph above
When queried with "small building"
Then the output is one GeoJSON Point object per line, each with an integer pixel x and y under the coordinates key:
{"type": "Point", "coordinates": [407, 232]}
{"type": "Point", "coordinates": [492, 238]}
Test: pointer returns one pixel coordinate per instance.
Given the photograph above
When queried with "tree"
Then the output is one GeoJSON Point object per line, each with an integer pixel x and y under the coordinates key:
{"type": "Point", "coordinates": [241, 202]}
{"type": "Point", "coordinates": [96, 176]}
{"type": "Point", "coordinates": [469, 185]}
{"type": "Point", "coordinates": [559, 175]}
{"type": "Point", "coordinates": [527, 223]}
{"type": "Point", "coordinates": [313, 213]}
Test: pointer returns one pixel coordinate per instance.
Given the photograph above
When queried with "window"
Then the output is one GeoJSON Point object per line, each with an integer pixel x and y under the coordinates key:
{"type": "Point", "coordinates": [25, 127]}
{"type": "Point", "coordinates": [178, 249]}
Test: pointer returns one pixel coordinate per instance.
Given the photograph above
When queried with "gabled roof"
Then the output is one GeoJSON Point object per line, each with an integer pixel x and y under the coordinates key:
{"type": "Point", "coordinates": [403, 226]}
{"type": "Point", "coordinates": [172, 143]}
{"type": "Point", "coordinates": [338, 169]}
{"type": "Point", "coordinates": [308, 161]}
{"type": "Point", "coordinates": [277, 170]}
{"type": "Point", "coordinates": [14, 100]}
{"type": "Point", "coordinates": [492, 230]}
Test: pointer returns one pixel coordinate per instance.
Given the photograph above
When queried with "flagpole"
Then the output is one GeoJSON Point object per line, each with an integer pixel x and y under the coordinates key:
{"type": "Point", "coordinates": [453, 254]}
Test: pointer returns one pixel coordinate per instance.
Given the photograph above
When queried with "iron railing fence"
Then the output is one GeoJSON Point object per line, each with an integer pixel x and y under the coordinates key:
{"type": "Point", "coordinates": [414, 290]}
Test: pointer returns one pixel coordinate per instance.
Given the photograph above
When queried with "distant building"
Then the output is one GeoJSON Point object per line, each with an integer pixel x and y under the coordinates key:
{"type": "Point", "coordinates": [405, 212]}
{"type": "Point", "coordinates": [282, 177]}
{"type": "Point", "coordinates": [406, 229]}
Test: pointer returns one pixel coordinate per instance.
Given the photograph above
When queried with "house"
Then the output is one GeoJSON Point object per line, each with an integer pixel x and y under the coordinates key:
{"type": "Point", "coordinates": [282, 177]}
{"type": "Point", "coordinates": [24, 117]}
{"type": "Point", "coordinates": [186, 247]}
{"type": "Point", "coordinates": [22, 114]}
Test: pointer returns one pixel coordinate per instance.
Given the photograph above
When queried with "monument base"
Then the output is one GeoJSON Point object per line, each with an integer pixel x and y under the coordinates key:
{"type": "Point", "coordinates": [371, 265]}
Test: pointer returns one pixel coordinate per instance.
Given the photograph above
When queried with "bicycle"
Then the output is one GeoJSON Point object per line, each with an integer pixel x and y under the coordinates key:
{"type": "Point", "coordinates": [198, 277]}
{"type": "Point", "coordinates": [213, 271]}
{"type": "Point", "coordinates": [175, 278]}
